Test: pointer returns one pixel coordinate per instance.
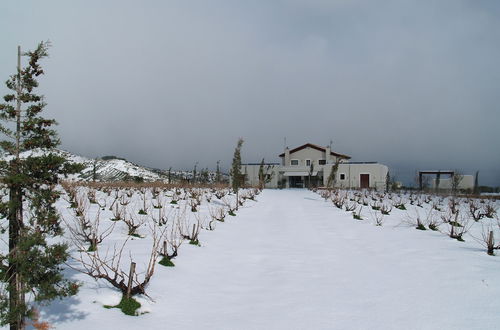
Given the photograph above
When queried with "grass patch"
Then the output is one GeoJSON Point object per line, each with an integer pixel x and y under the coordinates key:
{"type": "Point", "coordinates": [127, 306]}
{"type": "Point", "coordinates": [142, 212]}
{"type": "Point", "coordinates": [433, 227]}
{"type": "Point", "coordinates": [401, 207]}
{"type": "Point", "coordinates": [195, 242]}
{"type": "Point", "coordinates": [420, 227]}
{"type": "Point", "coordinates": [166, 262]}
{"type": "Point", "coordinates": [231, 213]}
{"type": "Point", "coordinates": [173, 202]}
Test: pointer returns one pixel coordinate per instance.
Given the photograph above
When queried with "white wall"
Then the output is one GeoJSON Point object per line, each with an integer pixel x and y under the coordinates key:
{"type": "Point", "coordinates": [377, 172]}
{"type": "Point", "coordinates": [466, 183]}
{"type": "Point", "coordinates": [252, 174]}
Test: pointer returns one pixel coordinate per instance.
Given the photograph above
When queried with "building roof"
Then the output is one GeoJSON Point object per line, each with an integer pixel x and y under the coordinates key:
{"type": "Point", "coordinates": [314, 146]}
{"type": "Point", "coordinates": [251, 164]}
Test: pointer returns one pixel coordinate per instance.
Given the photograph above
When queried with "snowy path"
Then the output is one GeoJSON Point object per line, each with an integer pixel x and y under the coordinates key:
{"type": "Point", "coordinates": [293, 261]}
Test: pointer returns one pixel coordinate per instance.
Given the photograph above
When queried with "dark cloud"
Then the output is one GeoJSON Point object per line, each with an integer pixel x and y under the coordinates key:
{"type": "Point", "coordinates": [412, 84]}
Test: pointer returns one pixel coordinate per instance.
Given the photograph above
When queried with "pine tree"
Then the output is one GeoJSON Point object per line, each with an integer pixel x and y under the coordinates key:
{"type": "Point", "coordinates": [387, 182]}
{"type": "Point", "coordinates": [194, 172]}
{"type": "Point", "coordinates": [204, 175]}
{"type": "Point", "coordinates": [332, 178]}
{"type": "Point", "coordinates": [235, 173]}
{"type": "Point", "coordinates": [32, 268]}
{"type": "Point", "coordinates": [476, 184]}
{"type": "Point", "coordinates": [94, 170]}
{"type": "Point", "coordinates": [217, 172]}
{"type": "Point", "coordinates": [264, 175]}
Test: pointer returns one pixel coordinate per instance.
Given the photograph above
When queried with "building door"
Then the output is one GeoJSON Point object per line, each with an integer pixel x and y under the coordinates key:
{"type": "Point", "coordinates": [296, 182]}
{"type": "Point", "coordinates": [364, 180]}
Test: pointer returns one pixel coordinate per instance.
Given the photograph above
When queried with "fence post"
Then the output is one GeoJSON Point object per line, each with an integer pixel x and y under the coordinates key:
{"type": "Point", "coordinates": [490, 243]}
{"type": "Point", "coordinates": [130, 277]}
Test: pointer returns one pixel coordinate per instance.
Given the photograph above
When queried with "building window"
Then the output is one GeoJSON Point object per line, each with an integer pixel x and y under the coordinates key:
{"type": "Point", "coordinates": [308, 162]}
{"type": "Point", "coordinates": [322, 161]}
{"type": "Point", "coordinates": [342, 176]}
{"type": "Point", "coordinates": [294, 162]}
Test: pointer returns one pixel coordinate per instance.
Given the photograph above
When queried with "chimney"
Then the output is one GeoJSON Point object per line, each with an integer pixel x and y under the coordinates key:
{"type": "Point", "coordinates": [328, 151]}
{"type": "Point", "coordinates": [287, 157]}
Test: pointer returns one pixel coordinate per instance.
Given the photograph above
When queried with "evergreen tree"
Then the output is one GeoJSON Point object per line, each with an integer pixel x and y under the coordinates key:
{"type": "Point", "coordinates": [235, 173]}
{"type": "Point", "coordinates": [476, 184]}
{"type": "Point", "coordinates": [32, 268]}
{"type": "Point", "coordinates": [310, 173]}
{"type": "Point", "coordinates": [387, 182]}
{"type": "Point", "coordinates": [264, 175]}
{"type": "Point", "coordinates": [217, 172]}
{"type": "Point", "coordinates": [94, 170]}
{"type": "Point", "coordinates": [332, 178]}
{"type": "Point", "coordinates": [194, 172]}
{"type": "Point", "coordinates": [204, 176]}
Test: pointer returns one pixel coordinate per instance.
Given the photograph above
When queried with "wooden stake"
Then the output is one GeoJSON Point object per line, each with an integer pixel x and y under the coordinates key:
{"type": "Point", "coordinates": [130, 277]}
{"type": "Point", "coordinates": [490, 243]}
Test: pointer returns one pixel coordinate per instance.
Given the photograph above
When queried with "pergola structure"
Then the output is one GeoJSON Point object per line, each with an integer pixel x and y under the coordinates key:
{"type": "Point", "coordinates": [437, 173]}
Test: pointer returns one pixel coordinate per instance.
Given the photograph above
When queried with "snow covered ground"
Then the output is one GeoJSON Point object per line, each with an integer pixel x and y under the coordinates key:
{"type": "Point", "coordinates": [291, 260]}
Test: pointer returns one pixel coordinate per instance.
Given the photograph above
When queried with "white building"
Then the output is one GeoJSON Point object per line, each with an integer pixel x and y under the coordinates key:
{"type": "Point", "coordinates": [311, 165]}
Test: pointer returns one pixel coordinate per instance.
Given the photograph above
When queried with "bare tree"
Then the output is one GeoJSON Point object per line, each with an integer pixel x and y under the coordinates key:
{"type": "Point", "coordinates": [456, 179]}
{"type": "Point", "coordinates": [220, 193]}
{"type": "Point", "coordinates": [84, 230]}
{"type": "Point", "coordinates": [192, 233]}
{"type": "Point", "coordinates": [487, 239]}
{"type": "Point", "coordinates": [357, 215]}
{"type": "Point", "coordinates": [230, 207]}
{"type": "Point", "coordinates": [350, 206]}
{"type": "Point", "coordinates": [416, 220]}
{"type": "Point", "coordinates": [475, 210]}
{"type": "Point", "coordinates": [385, 208]}
{"type": "Point", "coordinates": [338, 200]}
{"type": "Point", "coordinates": [377, 217]}
{"type": "Point", "coordinates": [132, 223]}
{"type": "Point", "coordinates": [109, 267]}
{"type": "Point", "coordinates": [489, 210]}
{"type": "Point", "coordinates": [118, 212]}
{"type": "Point", "coordinates": [458, 224]}
{"type": "Point", "coordinates": [218, 214]}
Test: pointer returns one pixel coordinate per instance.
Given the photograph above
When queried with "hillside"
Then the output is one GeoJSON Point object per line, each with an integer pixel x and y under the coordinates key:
{"type": "Point", "coordinates": [115, 169]}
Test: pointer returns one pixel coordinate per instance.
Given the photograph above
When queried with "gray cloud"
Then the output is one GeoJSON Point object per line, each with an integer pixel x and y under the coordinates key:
{"type": "Point", "coordinates": [411, 84]}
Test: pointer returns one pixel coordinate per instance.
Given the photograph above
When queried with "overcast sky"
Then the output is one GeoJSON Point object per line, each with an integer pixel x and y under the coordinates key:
{"type": "Point", "coordinates": [412, 84]}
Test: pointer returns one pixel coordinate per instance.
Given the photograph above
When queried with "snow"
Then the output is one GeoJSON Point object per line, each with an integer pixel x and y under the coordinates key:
{"type": "Point", "coordinates": [292, 260]}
